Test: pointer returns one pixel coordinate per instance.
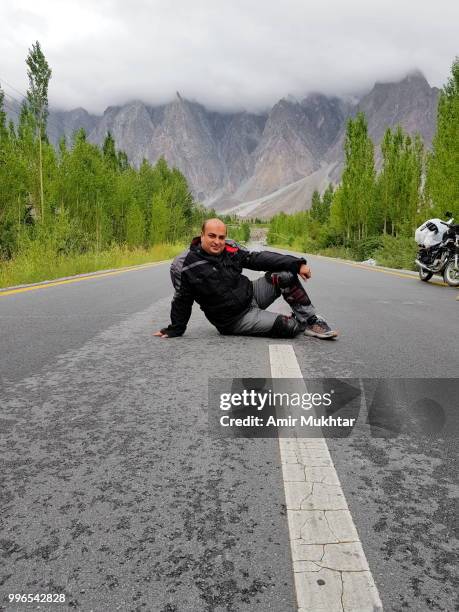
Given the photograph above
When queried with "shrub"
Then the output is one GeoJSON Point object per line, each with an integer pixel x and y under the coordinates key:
{"type": "Point", "coordinates": [364, 249]}
{"type": "Point", "coordinates": [397, 252]}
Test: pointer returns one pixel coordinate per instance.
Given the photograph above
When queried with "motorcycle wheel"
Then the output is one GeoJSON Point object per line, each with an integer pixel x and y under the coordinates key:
{"type": "Point", "coordinates": [424, 275]}
{"type": "Point", "coordinates": [451, 274]}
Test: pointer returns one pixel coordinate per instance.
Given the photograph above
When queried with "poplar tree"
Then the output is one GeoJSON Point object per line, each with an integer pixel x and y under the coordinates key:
{"type": "Point", "coordinates": [320, 207]}
{"type": "Point", "coordinates": [109, 151]}
{"type": "Point", "coordinates": [4, 167]}
{"type": "Point", "coordinates": [442, 183]}
{"type": "Point", "coordinates": [160, 217]}
{"type": "Point", "coordinates": [358, 178]}
{"type": "Point", "coordinates": [39, 74]}
{"type": "Point", "coordinates": [16, 178]}
{"type": "Point", "coordinates": [135, 226]}
{"type": "Point", "coordinates": [399, 183]}
{"type": "Point", "coordinates": [3, 127]}
{"type": "Point", "coordinates": [327, 199]}
{"type": "Point", "coordinates": [316, 204]}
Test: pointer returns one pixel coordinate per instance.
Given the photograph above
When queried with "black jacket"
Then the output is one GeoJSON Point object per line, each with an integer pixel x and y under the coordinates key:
{"type": "Point", "coordinates": [217, 284]}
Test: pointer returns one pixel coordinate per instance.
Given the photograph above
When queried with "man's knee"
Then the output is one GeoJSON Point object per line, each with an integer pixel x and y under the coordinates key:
{"type": "Point", "coordinates": [285, 327]}
{"type": "Point", "coordinates": [281, 280]}
{"type": "Point", "coordinates": [288, 284]}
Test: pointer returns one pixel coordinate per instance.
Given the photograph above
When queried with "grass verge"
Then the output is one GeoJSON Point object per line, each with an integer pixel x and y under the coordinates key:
{"type": "Point", "coordinates": [36, 264]}
{"type": "Point", "coordinates": [398, 253]}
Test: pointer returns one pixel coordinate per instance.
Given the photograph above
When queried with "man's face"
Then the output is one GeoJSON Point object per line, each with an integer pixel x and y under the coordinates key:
{"type": "Point", "coordinates": [213, 237]}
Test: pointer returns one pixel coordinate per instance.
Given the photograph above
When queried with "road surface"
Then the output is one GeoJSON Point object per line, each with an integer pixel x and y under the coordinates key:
{"type": "Point", "coordinates": [115, 494]}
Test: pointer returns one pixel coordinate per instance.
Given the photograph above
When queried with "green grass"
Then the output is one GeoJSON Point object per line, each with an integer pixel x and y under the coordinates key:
{"type": "Point", "coordinates": [36, 264]}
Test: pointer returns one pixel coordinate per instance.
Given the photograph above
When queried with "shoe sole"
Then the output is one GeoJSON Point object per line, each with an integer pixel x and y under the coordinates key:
{"type": "Point", "coordinates": [327, 336]}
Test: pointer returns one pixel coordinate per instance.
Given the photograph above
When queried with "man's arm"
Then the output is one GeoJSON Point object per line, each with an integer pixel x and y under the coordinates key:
{"type": "Point", "coordinates": [181, 307]}
{"type": "Point", "coordinates": [269, 261]}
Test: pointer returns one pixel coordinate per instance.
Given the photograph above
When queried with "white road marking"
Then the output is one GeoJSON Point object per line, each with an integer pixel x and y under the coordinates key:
{"type": "Point", "coordinates": [330, 568]}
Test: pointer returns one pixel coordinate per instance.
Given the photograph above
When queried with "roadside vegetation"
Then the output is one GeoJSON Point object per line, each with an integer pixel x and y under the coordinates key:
{"type": "Point", "coordinates": [31, 266]}
{"type": "Point", "coordinates": [374, 214]}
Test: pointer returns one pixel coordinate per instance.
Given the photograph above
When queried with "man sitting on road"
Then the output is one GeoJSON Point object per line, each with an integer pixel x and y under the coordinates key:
{"type": "Point", "coordinates": [210, 273]}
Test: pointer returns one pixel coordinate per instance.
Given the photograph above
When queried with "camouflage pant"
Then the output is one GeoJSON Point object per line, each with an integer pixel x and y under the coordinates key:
{"type": "Point", "coordinates": [260, 322]}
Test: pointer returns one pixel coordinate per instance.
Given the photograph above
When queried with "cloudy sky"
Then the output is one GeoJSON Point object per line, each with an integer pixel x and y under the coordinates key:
{"type": "Point", "coordinates": [227, 54]}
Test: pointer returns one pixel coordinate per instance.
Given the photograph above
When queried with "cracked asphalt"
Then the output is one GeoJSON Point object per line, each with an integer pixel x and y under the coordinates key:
{"type": "Point", "coordinates": [115, 493]}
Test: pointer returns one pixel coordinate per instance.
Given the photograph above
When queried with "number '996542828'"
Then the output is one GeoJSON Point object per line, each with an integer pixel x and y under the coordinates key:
{"type": "Point", "coordinates": [36, 597]}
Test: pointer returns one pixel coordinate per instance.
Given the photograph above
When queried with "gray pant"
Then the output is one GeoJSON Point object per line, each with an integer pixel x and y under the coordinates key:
{"type": "Point", "coordinates": [260, 322]}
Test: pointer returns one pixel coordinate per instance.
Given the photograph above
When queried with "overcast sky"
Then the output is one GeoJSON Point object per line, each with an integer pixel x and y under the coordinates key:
{"type": "Point", "coordinates": [227, 54]}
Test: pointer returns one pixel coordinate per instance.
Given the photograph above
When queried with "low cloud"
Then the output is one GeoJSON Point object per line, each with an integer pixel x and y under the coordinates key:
{"type": "Point", "coordinates": [227, 55]}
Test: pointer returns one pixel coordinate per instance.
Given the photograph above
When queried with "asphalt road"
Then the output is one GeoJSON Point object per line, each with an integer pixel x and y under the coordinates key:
{"type": "Point", "coordinates": [115, 494]}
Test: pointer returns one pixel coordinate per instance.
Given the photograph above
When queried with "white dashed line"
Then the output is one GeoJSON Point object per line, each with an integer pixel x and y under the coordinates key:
{"type": "Point", "coordinates": [330, 569]}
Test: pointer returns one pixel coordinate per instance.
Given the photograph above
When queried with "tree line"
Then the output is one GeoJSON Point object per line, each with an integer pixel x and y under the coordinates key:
{"type": "Point", "coordinates": [80, 196]}
{"type": "Point", "coordinates": [411, 185]}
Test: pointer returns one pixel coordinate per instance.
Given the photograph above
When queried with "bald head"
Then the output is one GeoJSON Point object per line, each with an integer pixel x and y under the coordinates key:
{"type": "Point", "coordinates": [214, 220]}
{"type": "Point", "coordinates": [213, 235]}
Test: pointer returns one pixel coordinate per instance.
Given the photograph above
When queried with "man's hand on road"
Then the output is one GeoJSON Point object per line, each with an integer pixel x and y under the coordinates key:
{"type": "Point", "coordinates": [305, 272]}
{"type": "Point", "coordinates": [160, 334]}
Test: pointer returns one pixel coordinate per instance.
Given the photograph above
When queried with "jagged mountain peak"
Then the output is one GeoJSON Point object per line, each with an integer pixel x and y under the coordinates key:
{"type": "Point", "coordinates": [416, 74]}
{"type": "Point", "coordinates": [289, 99]}
{"type": "Point", "coordinates": [110, 110]}
{"type": "Point", "coordinates": [232, 157]}
{"type": "Point", "coordinates": [413, 78]}
{"type": "Point", "coordinates": [78, 110]}
{"type": "Point", "coordinates": [284, 112]}
{"type": "Point", "coordinates": [178, 101]}
{"type": "Point", "coordinates": [135, 104]}
{"type": "Point", "coordinates": [316, 98]}
{"type": "Point", "coordinates": [288, 102]}
{"type": "Point", "coordinates": [410, 102]}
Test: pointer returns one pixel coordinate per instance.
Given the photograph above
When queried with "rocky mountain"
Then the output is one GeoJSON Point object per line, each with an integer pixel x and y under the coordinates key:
{"type": "Point", "coordinates": [284, 154]}
{"type": "Point", "coordinates": [237, 136]}
{"type": "Point", "coordinates": [411, 103]}
{"type": "Point", "coordinates": [66, 123]}
{"type": "Point", "coordinates": [256, 164]}
{"type": "Point", "coordinates": [211, 149]}
{"type": "Point", "coordinates": [293, 143]}
{"type": "Point", "coordinates": [60, 123]}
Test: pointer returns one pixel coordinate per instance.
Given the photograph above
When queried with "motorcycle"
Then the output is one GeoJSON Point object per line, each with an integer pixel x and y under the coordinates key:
{"type": "Point", "coordinates": [442, 257]}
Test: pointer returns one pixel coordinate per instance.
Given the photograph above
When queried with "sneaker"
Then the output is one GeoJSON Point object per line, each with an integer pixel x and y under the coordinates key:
{"type": "Point", "coordinates": [318, 328]}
